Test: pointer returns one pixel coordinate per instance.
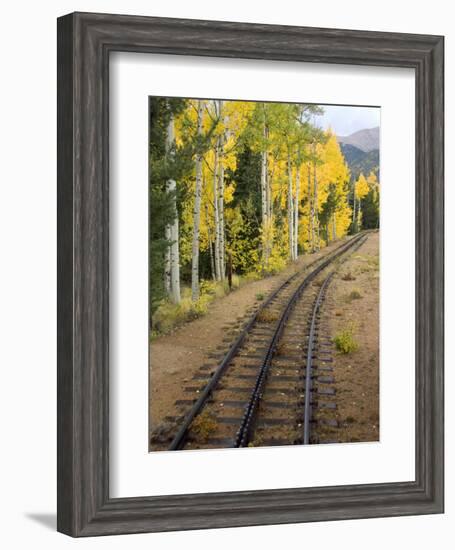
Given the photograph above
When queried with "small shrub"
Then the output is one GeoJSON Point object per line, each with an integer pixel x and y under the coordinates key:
{"type": "Point", "coordinates": [345, 341]}
{"type": "Point", "coordinates": [204, 425]}
{"type": "Point", "coordinates": [197, 309]}
{"type": "Point", "coordinates": [348, 277]}
{"type": "Point", "coordinates": [259, 296]}
{"type": "Point", "coordinates": [207, 286]}
{"type": "Point", "coordinates": [355, 295]}
{"type": "Point", "coordinates": [267, 316]}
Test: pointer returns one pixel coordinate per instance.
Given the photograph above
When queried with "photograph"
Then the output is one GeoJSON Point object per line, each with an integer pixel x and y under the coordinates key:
{"type": "Point", "coordinates": [263, 273]}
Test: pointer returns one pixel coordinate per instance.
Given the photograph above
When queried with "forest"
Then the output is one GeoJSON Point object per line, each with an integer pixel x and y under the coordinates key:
{"type": "Point", "coordinates": [239, 189]}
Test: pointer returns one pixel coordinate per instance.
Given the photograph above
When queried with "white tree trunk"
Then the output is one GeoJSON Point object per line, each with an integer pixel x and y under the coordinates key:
{"type": "Point", "coordinates": [264, 208]}
{"type": "Point", "coordinates": [221, 219]}
{"type": "Point", "coordinates": [290, 210]}
{"type": "Point", "coordinates": [315, 207]}
{"type": "Point", "coordinates": [172, 262]}
{"type": "Point", "coordinates": [174, 250]}
{"type": "Point", "coordinates": [354, 212]}
{"type": "Point", "coordinates": [167, 262]}
{"type": "Point", "coordinates": [197, 212]}
{"type": "Point", "coordinates": [264, 200]}
{"type": "Point", "coordinates": [296, 212]}
{"type": "Point", "coordinates": [210, 242]}
{"type": "Point", "coordinates": [264, 188]}
{"type": "Point", "coordinates": [269, 220]}
{"type": "Point", "coordinates": [221, 235]}
{"type": "Point", "coordinates": [334, 227]}
{"type": "Point", "coordinates": [216, 213]}
{"type": "Point", "coordinates": [358, 217]}
{"type": "Point", "coordinates": [310, 212]}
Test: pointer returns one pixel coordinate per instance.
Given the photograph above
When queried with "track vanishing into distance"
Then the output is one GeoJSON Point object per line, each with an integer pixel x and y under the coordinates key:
{"type": "Point", "coordinates": [276, 374]}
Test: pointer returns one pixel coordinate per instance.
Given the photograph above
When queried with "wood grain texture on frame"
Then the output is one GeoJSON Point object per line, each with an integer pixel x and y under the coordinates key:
{"type": "Point", "coordinates": [84, 43]}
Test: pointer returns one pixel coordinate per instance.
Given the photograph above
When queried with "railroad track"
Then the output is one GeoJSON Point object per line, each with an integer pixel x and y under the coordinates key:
{"type": "Point", "coordinates": [272, 377]}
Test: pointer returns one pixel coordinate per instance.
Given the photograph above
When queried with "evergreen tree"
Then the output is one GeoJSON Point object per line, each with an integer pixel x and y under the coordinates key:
{"type": "Point", "coordinates": [162, 168]}
{"type": "Point", "coordinates": [370, 204]}
{"type": "Point", "coordinates": [243, 233]}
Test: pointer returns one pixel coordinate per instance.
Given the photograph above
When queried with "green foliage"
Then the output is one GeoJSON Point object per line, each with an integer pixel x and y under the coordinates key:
{"type": "Point", "coordinates": [370, 210]}
{"type": "Point", "coordinates": [161, 210]}
{"type": "Point", "coordinates": [244, 224]}
{"type": "Point", "coordinates": [328, 209]}
{"type": "Point", "coordinates": [354, 295]}
{"type": "Point", "coordinates": [345, 340]}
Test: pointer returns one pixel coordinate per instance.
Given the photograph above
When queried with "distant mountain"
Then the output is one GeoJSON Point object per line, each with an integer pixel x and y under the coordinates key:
{"type": "Point", "coordinates": [366, 140]}
{"type": "Point", "coordinates": [360, 161]}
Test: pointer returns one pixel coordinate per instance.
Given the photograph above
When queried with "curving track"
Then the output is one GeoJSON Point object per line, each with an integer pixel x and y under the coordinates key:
{"type": "Point", "coordinates": [274, 374]}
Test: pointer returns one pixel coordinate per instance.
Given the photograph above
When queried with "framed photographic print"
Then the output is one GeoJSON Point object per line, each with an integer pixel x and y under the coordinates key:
{"type": "Point", "coordinates": [250, 252]}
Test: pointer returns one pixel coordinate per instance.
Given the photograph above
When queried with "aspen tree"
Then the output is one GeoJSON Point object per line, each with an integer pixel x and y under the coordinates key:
{"type": "Point", "coordinates": [297, 206]}
{"type": "Point", "coordinates": [197, 208]}
{"type": "Point", "coordinates": [167, 261]}
{"type": "Point", "coordinates": [216, 212]}
{"type": "Point", "coordinates": [310, 211]}
{"type": "Point", "coordinates": [290, 210]}
{"type": "Point", "coordinates": [172, 262]}
{"type": "Point", "coordinates": [222, 261]}
{"type": "Point", "coordinates": [264, 193]}
{"type": "Point", "coordinates": [210, 242]}
{"type": "Point", "coordinates": [315, 202]}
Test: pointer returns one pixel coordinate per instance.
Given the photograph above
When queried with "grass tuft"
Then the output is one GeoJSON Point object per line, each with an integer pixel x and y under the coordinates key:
{"type": "Point", "coordinates": [353, 295]}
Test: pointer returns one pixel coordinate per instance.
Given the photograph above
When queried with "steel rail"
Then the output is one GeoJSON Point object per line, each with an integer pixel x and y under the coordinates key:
{"type": "Point", "coordinates": [309, 362]}
{"type": "Point", "coordinates": [179, 439]}
{"type": "Point", "coordinates": [246, 427]}
{"type": "Point", "coordinates": [308, 411]}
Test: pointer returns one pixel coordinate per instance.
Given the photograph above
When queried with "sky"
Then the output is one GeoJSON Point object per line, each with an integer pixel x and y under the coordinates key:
{"type": "Point", "coordinates": [347, 120]}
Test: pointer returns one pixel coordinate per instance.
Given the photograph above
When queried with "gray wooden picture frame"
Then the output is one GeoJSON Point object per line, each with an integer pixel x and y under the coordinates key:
{"type": "Point", "coordinates": [85, 41]}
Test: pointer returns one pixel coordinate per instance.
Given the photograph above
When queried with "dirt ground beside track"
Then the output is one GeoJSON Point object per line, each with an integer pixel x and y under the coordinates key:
{"type": "Point", "coordinates": [357, 373]}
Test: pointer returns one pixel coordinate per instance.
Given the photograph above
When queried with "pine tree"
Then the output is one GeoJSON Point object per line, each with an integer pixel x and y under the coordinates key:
{"type": "Point", "coordinates": [166, 164]}
{"type": "Point", "coordinates": [370, 204]}
{"type": "Point", "coordinates": [360, 191]}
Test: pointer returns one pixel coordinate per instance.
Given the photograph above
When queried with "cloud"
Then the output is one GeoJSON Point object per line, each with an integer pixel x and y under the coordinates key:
{"type": "Point", "coordinates": [345, 120]}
